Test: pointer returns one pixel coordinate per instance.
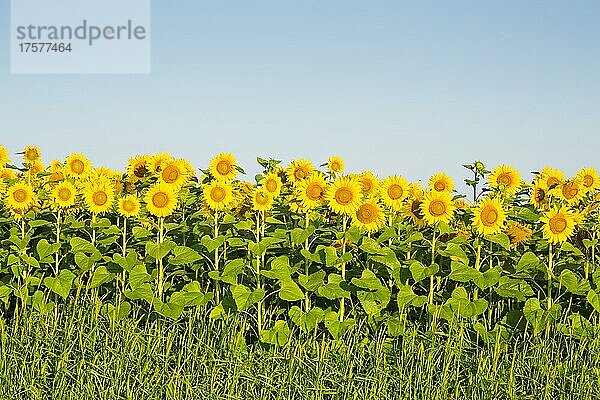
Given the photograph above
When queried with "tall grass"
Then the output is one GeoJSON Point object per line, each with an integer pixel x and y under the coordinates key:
{"type": "Point", "coordinates": [77, 353]}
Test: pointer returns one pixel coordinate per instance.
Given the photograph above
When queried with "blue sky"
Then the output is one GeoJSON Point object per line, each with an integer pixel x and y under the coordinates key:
{"type": "Point", "coordinates": [396, 87]}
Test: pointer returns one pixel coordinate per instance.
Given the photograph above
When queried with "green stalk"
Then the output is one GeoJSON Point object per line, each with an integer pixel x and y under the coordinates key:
{"type": "Point", "coordinates": [258, 280]}
{"type": "Point", "coordinates": [550, 275]}
{"type": "Point", "coordinates": [161, 270]}
{"type": "Point", "coordinates": [430, 298]}
{"type": "Point", "coordinates": [216, 233]}
{"type": "Point", "coordinates": [477, 267]}
{"type": "Point", "coordinates": [345, 222]}
{"type": "Point", "coordinates": [306, 266]}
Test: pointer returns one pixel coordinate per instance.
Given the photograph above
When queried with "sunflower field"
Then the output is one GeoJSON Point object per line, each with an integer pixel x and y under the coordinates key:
{"type": "Point", "coordinates": [302, 249]}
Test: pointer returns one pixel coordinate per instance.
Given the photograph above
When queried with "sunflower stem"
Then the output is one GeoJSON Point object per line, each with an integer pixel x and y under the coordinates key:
{"type": "Point", "coordinates": [550, 254]}
{"type": "Point", "coordinates": [216, 233]}
{"type": "Point", "coordinates": [161, 270]}
{"type": "Point", "coordinates": [258, 280]}
{"type": "Point", "coordinates": [431, 278]}
{"type": "Point", "coordinates": [344, 223]}
{"type": "Point", "coordinates": [306, 267]}
{"type": "Point", "coordinates": [477, 267]}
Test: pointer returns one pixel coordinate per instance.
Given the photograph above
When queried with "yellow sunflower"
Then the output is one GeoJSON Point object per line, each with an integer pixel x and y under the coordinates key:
{"type": "Point", "coordinates": [369, 216]}
{"type": "Point", "coordinates": [344, 196]}
{"type": "Point", "coordinates": [393, 190]}
{"type": "Point", "coordinates": [218, 195]}
{"type": "Point", "coordinates": [298, 170]}
{"type": "Point", "coordinates": [506, 179]}
{"type": "Point", "coordinates": [369, 183]}
{"type": "Point", "coordinates": [413, 211]}
{"type": "Point", "coordinates": [589, 178]}
{"type": "Point", "coordinates": [416, 190]}
{"type": "Point", "coordinates": [262, 200]}
{"type": "Point", "coordinates": [437, 207]}
{"type": "Point", "coordinates": [156, 162]}
{"type": "Point", "coordinates": [98, 195]}
{"type": "Point", "coordinates": [539, 194]}
{"type": "Point", "coordinates": [4, 156]}
{"type": "Point", "coordinates": [572, 190]}
{"type": "Point", "coordinates": [36, 167]}
{"type": "Point", "coordinates": [77, 166]}
{"type": "Point", "coordinates": [441, 182]}
{"type": "Point", "coordinates": [489, 216]}
{"type": "Point", "coordinates": [129, 206]}
{"type": "Point", "coordinates": [551, 177]}
{"type": "Point", "coordinates": [161, 199]}
{"type": "Point", "coordinates": [335, 165]}
{"type": "Point", "coordinates": [174, 173]}
{"type": "Point", "coordinates": [19, 197]}
{"type": "Point", "coordinates": [7, 174]}
{"type": "Point", "coordinates": [518, 233]}
{"type": "Point", "coordinates": [311, 191]}
{"type": "Point", "coordinates": [558, 224]}
{"type": "Point", "coordinates": [138, 168]}
{"type": "Point", "coordinates": [272, 184]}
{"type": "Point", "coordinates": [222, 167]}
{"type": "Point", "coordinates": [64, 194]}
{"type": "Point", "coordinates": [31, 154]}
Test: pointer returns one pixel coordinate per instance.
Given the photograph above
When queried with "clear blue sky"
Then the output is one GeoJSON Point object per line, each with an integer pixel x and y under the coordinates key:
{"type": "Point", "coordinates": [396, 87]}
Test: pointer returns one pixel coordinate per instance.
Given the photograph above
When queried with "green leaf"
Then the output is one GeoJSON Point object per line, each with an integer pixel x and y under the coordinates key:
{"type": "Point", "coordinates": [261, 247]}
{"type": "Point", "coordinates": [594, 299]}
{"type": "Point", "coordinates": [212, 244]}
{"type": "Point", "coordinates": [517, 288]}
{"type": "Point", "coordinates": [335, 327]}
{"type": "Point", "coordinates": [169, 310]}
{"type": "Point", "coordinates": [245, 297]}
{"type": "Point", "coordinates": [290, 291]}
{"type": "Point", "coordinates": [374, 302]}
{"type": "Point", "coordinates": [61, 284]}
{"type": "Point", "coordinates": [333, 290]}
{"type": "Point", "coordinates": [159, 251]}
{"type": "Point", "coordinates": [300, 235]}
{"type": "Point", "coordinates": [79, 245]}
{"type": "Point", "coordinates": [140, 233]}
{"type": "Point", "coordinates": [455, 253]}
{"type": "Point", "coordinates": [527, 261]}
{"type": "Point", "coordinates": [406, 297]}
{"type": "Point", "coordinates": [231, 270]}
{"type": "Point", "coordinates": [462, 273]}
{"type": "Point", "coordinates": [370, 246]}
{"type": "Point", "coordinates": [86, 262]}
{"type": "Point", "coordinates": [279, 334]}
{"type": "Point", "coordinates": [573, 283]}
{"type": "Point", "coordinates": [138, 276]}
{"type": "Point", "coordinates": [368, 280]}
{"type": "Point", "coordinates": [309, 321]}
{"type": "Point", "coordinates": [420, 272]}
{"type": "Point", "coordinates": [501, 238]}
{"type": "Point", "coordinates": [489, 278]}
{"type": "Point", "coordinates": [184, 255]}
{"type": "Point", "coordinates": [39, 303]}
{"type": "Point", "coordinates": [142, 291]}
{"type": "Point", "coordinates": [127, 262]}
{"type": "Point", "coordinates": [313, 281]}
{"type": "Point", "coordinates": [101, 276]}
{"type": "Point", "coordinates": [280, 269]}
{"type": "Point", "coordinates": [45, 250]}
{"type": "Point", "coordinates": [568, 247]}
{"type": "Point", "coordinates": [388, 258]}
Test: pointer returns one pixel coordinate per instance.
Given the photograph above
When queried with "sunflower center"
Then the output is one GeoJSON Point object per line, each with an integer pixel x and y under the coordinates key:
{"type": "Point", "coordinates": [223, 167]}
{"type": "Point", "coordinates": [100, 198]}
{"type": "Point", "coordinates": [170, 174]}
{"type": "Point", "coordinates": [504, 179]}
{"type": "Point", "coordinates": [32, 154]}
{"type": "Point", "coordinates": [262, 199]}
{"type": "Point", "coordinates": [271, 185]}
{"type": "Point", "coordinates": [64, 194]}
{"type": "Point", "coordinates": [540, 195]}
{"type": "Point", "coordinates": [439, 186]}
{"type": "Point", "coordinates": [367, 185]}
{"type": "Point", "coordinates": [129, 206]}
{"type": "Point", "coordinates": [20, 195]}
{"type": "Point", "coordinates": [77, 166]}
{"type": "Point", "coordinates": [416, 209]}
{"type": "Point", "coordinates": [335, 166]}
{"type": "Point", "coordinates": [217, 194]}
{"type": "Point", "coordinates": [437, 208]}
{"type": "Point", "coordinates": [489, 216]}
{"type": "Point", "coordinates": [588, 181]}
{"type": "Point", "coordinates": [395, 191]}
{"type": "Point", "coordinates": [343, 196]}
{"type": "Point", "coordinates": [558, 224]}
{"type": "Point", "coordinates": [300, 173]}
{"type": "Point", "coordinates": [367, 213]}
{"type": "Point", "coordinates": [140, 171]}
{"type": "Point", "coordinates": [160, 199]}
{"type": "Point", "coordinates": [314, 191]}
{"type": "Point", "coordinates": [552, 181]}
{"type": "Point", "coordinates": [570, 190]}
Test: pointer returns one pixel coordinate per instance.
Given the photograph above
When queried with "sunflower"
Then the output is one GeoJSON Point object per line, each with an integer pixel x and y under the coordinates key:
{"type": "Point", "coordinates": [161, 199]}
{"type": "Point", "coordinates": [311, 191]}
{"type": "Point", "coordinates": [416, 190]}
{"type": "Point", "coordinates": [129, 206]}
{"type": "Point", "coordinates": [261, 200]}
{"type": "Point", "coordinates": [506, 179]}
{"type": "Point", "coordinates": [155, 163]}
{"type": "Point", "coordinates": [4, 156]}
{"type": "Point", "coordinates": [589, 178]}
{"type": "Point", "coordinates": [138, 168]}
{"type": "Point", "coordinates": [539, 194]}
{"type": "Point", "coordinates": [335, 165]}
{"type": "Point", "coordinates": [7, 174]}
{"type": "Point", "coordinates": [559, 224]}
{"type": "Point", "coordinates": [489, 216]}
{"type": "Point", "coordinates": [56, 170]}
{"type": "Point", "coordinates": [298, 170]}
{"type": "Point", "coordinates": [393, 190]}
{"type": "Point", "coordinates": [413, 211]}
{"type": "Point", "coordinates": [437, 207]}
{"type": "Point", "coordinates": [518, 233]}
{"type": "Point", "coordinates": [551, 177]}
{"type": "Point", "coordinates": [272, 184]}
{"type": "Point", "coordinates": [174, 173]}
{"type": "Point", "coordinates": [77, 166]}
{"type": "Point", "coordinates": [31, 154]}
{"type": "Point", "coordinates": [98, 195]}
{"type": "Point", "coordinates": [572, 190]}
{"type": "Point", "coordinates": [369, 183]}
{"type": "Point", "coordinates": [441, 183]}
{"type": "Point", "coordinates": [64, 194]}
{"type": "Point", "coordinates": [19, 197]}
{"type": "Point", "coordinates": [36, 167]}
{"type": "Point", "coordinates": [343, 195]}
{"type": "Point", "coordinates": [222, 167]}
{"type": "Point", "coordinates": [369, 216]}
{"type": "Point", "coordinates": [218, 195]}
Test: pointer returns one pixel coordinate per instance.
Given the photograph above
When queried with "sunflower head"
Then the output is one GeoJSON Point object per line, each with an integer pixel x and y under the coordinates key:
{"type": "Point", "coordinates": [161, 199]}
{"type": "Point", "coordinates": [77, 166]}
{"type": "Point", "coordinates": [505, 179]}
{"type": "Point", "coordinates": [344, 195]}
{"type": "Point", "coordinates": [156, 162]}
{"type": "Point", "coordinates": [413, 211]}
{"type": "Point", "coordinates": [272, 184]}
{"type": "Point", "coordinates": [539, 194]}
{"type": "Point", "coordinates": [335, 165]}
{"type": "Point", "coordinates": [175, 173]}
{"type": "Point", "coordinates": [19, 197]}
{"type": "Point", "coordinates": [98, 195]}
{"type": "Point", "coordinates": [299, 170]}
{"type": "Point", "coordinates": [551, 177]}
{"type": "Point", "coordinates": [32, 154]}
{"type": "Point", "coordinates": [518, 233]}
{"type": "Point", "coordinates": [437, 207]}
{"type": "Point", "coordinates": [129, 206]}
{"type": "Point", "coordinates": [393, 190]}
{"type": "Point", "coordinates": [261, 200]}
{"type": "Point", "coordinates": [223, 168]}
{"type": "Point", "coordinates": [441, 182]}
{"type": "Point", "coordinates": [489, 216]}
{"type": "Point", "coordinates": [218, 195]}
{"type": "Point", "coordinates": [4, 156]}
{"type": "Point", "coordinates": [368, 216]}
{"type": "Point", "coordinates": [36, 167]}
{"type": "Point", "coordinates": [64, 194]}
{"type": "Point", "coordinates": [572, 190]}
{"type": "Point", "coordinates": [7, 174]}
{"type": "Point", "coordinates": [369, 183]}
{"type": "Point", "coordinates": [310, 192]}
{"type": "Point", "coordinates": [589, 179]}
{"type": "Point", "coordinates": [558, 224]}
{"type": "Point", "coordinates": [138, 168]}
